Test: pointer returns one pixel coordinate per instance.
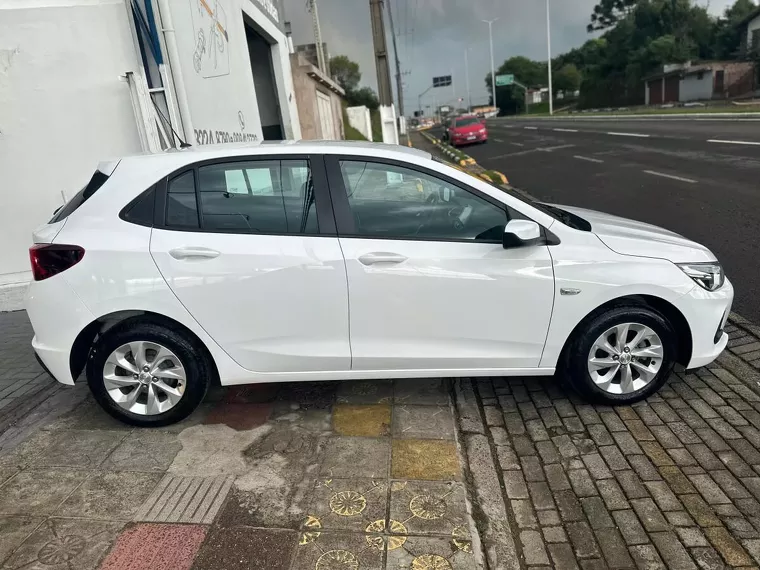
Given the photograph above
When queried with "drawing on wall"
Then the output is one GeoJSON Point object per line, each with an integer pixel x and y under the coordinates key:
{"type": "Point", "coordinates": [211, 57]}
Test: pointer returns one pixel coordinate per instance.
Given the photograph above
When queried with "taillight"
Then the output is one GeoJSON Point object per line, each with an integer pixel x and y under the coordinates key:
{"type": "Point", "coordinates": [49, 259]}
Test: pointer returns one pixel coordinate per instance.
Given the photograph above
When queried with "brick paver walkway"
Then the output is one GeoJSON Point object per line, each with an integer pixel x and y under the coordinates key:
{"type": "Point", "coordinates": [673, 482]}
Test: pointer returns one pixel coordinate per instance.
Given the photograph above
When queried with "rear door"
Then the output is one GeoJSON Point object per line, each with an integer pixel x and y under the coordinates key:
{"type": "Point", "coordinates": [249, 248]}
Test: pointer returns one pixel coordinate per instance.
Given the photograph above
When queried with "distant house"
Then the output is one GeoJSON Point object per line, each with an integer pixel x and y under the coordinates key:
{"type": "Point", "coordinates": [537, 95]}
{"type": "Point", "coordinates": [752, 25]}
{"type": "Point", "coordinates": [684, 82]}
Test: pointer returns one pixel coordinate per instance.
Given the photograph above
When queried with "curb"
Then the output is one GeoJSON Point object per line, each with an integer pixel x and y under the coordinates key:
{"type": "Point", "coordinates": [462, 159]}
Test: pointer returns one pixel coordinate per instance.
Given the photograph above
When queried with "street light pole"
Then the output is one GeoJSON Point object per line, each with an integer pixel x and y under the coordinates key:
{"type": "Point", "coordinates": [549, 63]}
{"type": "Point", "coordinates": [467, 77]}
{"type": "Point", "coordinates": [493, 73]}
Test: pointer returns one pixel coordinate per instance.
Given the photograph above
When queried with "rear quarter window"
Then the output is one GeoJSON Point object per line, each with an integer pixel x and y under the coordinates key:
{"type": "Point", "coordinates": [95, 183]}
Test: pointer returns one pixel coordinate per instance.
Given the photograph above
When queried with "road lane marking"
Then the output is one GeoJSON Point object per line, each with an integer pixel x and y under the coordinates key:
{"type": "Point", "coordinates": [529, 151]}
{"type": "Point", "coordinates": [498, 140]}
{"type": "Point", "coordinates": [551, 148]}
{"type": "Point", "coordinates": [653, 173]}
{"type": "Point", "coordinates": [517, 144]}
{"type": "Point", "coordinates": [734, 142]}
{"type": "Point", "coordinates": [566, 130]}
{"type": "Point", "coordinates": [630, 135]}
{"type": "Point", "coordinates": [587, 158]}
{"type": "Point", "coordinates": [531, 128]}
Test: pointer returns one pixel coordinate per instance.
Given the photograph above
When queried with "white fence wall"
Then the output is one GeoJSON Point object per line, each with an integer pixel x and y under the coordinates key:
{"type": "Point", "coordinates": [359, 118]}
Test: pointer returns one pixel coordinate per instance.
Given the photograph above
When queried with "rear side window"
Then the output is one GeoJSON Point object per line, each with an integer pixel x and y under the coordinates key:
{"type": "Point", "coordinates": [257, 197]}
{"type": "Point", "coordinates": [97, 180]}
{"type": "Point", "coordinates": [181, 203]}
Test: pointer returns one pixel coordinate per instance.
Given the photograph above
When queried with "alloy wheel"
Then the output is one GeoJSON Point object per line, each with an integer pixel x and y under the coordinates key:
{"type": "Point", "coordinates": [625, 358]}
{"type": "Point", "coordinates": [144, 378]}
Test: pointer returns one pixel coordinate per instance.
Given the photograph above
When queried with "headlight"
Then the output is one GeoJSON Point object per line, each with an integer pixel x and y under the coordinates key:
{"type": "Point", "coordinates": [482, 131]}
{"type": "Point", "coordinates": [709, 276]}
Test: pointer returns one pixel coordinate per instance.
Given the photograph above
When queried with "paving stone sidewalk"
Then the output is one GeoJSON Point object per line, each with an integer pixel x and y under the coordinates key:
{"type": "Point", "coordinates": [673, 482]}
{"type": "Point", "coordinates": [368, 475]}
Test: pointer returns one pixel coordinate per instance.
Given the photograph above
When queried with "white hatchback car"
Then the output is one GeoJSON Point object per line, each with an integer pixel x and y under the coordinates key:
{"type": "Point", "coordinates": [338, 261]}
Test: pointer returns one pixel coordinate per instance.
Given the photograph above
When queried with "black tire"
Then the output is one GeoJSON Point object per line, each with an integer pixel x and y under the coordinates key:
{"type": "Point", "coordinates": [575, 362]}
{"type": "Point", "coordinates": [198, 371]}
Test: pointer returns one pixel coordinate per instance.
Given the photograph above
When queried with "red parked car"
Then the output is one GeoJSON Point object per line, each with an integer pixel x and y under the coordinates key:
{"type": "Point", "coordinates": [468, 129]}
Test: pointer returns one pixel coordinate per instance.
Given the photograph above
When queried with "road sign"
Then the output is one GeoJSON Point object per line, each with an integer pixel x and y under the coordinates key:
{"type": "Point", "coordinates": [503, 80]}
{"type": "Point", "coordinates": [442, 81]}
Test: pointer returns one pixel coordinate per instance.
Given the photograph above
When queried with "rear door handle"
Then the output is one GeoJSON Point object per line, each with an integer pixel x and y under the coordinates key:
{"type": "Point", "coordinates": [193, 253]}
{"type": "Point", "coordinates": [381, 257]}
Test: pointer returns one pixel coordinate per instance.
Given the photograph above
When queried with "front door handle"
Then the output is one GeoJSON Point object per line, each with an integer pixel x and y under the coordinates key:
{"type": "Point", "coordinates": [193, 253]}
{"type": "Point", "coordinates": [381, 257]}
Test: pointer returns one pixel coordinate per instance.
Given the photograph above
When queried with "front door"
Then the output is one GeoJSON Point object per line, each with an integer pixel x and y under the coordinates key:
{"type": "Point", "coordinates": [246, 248]}
{"type": "Point", "coordinates": [430, 285]}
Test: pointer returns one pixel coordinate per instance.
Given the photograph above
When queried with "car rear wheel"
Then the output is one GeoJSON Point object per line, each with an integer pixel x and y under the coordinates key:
{"type": "Point", "coordinates": [621, 356]}
{"type": "Point", "coordinates": [146, 374]}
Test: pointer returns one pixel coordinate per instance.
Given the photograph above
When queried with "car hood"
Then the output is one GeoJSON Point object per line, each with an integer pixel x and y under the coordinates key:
{"type": "Point", "coordinates": [629, 237]}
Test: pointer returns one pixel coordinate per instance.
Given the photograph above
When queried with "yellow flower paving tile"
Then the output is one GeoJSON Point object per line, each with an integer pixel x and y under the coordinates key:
{"type": "Point", "coordinates": [430, 508]}
{"type": "Point", "coordinates": [347, 504]}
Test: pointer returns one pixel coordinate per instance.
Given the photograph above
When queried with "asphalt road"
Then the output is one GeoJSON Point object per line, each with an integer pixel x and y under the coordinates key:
{"type": "Point", "coordinates": [665, 172]}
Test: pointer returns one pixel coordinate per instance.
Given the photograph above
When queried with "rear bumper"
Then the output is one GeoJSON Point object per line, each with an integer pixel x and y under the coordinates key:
{"type": "Point", "coordinates": [58, 316]}
{"type": "Point", "coordinates": [707, 313]}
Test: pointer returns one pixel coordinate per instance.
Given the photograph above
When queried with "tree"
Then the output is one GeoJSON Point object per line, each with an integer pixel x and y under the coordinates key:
{"type": "Point", "coordinates": [345, 72]}
{"type": "Point", "coordinates": [609, 12]}
{"type": "Point", "coordinates": [364, 96]}
{"type": "Point", "coordinates": [567, 79]}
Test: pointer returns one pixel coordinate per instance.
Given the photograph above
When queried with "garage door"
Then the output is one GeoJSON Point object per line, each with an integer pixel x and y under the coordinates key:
{"type": "Point", "coordinates": [325, 116]}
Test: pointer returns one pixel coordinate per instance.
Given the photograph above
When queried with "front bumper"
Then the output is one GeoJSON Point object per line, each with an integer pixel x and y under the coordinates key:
{"type": "Point", "coordinates": [707, 313]}
{"type": "Point", "coordinates": [459, 141]}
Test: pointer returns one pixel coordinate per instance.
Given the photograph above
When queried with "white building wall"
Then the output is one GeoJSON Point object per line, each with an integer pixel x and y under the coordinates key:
{"type": "Point", "coordinates": [693, 88]}
{"type": "Point", "coordinates": [64, 107]}
{"type": "Point", "coordinates": [217, 74]}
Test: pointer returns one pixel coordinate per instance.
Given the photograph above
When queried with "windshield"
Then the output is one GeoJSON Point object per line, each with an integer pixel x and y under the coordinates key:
{"type": "Point", "coordinates": [570, 220]}
{"type": "Point", "coordinates": [467, 122]}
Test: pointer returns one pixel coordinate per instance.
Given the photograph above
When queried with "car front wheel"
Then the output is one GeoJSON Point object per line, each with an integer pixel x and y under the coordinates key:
{"type": "Point", "coordinates": [147, 375]}
{"type": "Point", "coordinates": [621, 356]}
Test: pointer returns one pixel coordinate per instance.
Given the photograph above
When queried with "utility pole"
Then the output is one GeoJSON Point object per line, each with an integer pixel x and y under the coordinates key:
{"type": "Point", "coordinates": [549, 63]}
{"type": "Point", "coordinates": [493, 72]}
{"type": "Point", "coordinates": [399, 86]}
{"type": "Point", "coordinates": [467, 78]}
{"type": "Point", "coordinates": [384, 91]}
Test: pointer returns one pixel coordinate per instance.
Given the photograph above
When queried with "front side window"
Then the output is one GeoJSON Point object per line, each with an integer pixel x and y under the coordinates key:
{"type": "Point", "coordinates": [260, 197]}
{"type": "Point", "coordinates": [396, 202]}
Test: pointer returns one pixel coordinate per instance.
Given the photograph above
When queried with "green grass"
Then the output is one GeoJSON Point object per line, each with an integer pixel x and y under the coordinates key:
{"type": "Point", "coordinates": [658, 111]}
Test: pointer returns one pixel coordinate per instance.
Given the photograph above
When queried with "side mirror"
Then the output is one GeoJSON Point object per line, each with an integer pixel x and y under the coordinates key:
{"type": "Point", "coordinates": [520, 233]}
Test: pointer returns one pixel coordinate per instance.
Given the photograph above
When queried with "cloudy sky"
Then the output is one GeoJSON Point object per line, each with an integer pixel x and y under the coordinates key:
{"type": "Point", "coordinates": [432, 36]}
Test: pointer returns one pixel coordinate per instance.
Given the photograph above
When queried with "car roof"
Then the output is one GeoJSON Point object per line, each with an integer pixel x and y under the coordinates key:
{"type": "Point", "coordinates": [230, 150]}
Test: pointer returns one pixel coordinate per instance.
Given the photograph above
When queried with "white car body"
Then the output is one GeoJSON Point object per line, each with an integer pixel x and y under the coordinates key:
{"type": "Point", "coordinates": [273, 308]}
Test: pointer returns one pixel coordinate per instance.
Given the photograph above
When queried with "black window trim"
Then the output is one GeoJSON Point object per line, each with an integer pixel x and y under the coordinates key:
{"type": "Point", "coordinates": [132, 203]}
{"type": "Point", "coordinates": [345, 220]}
{"type": "Point", "coordinates": [324, 210]}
